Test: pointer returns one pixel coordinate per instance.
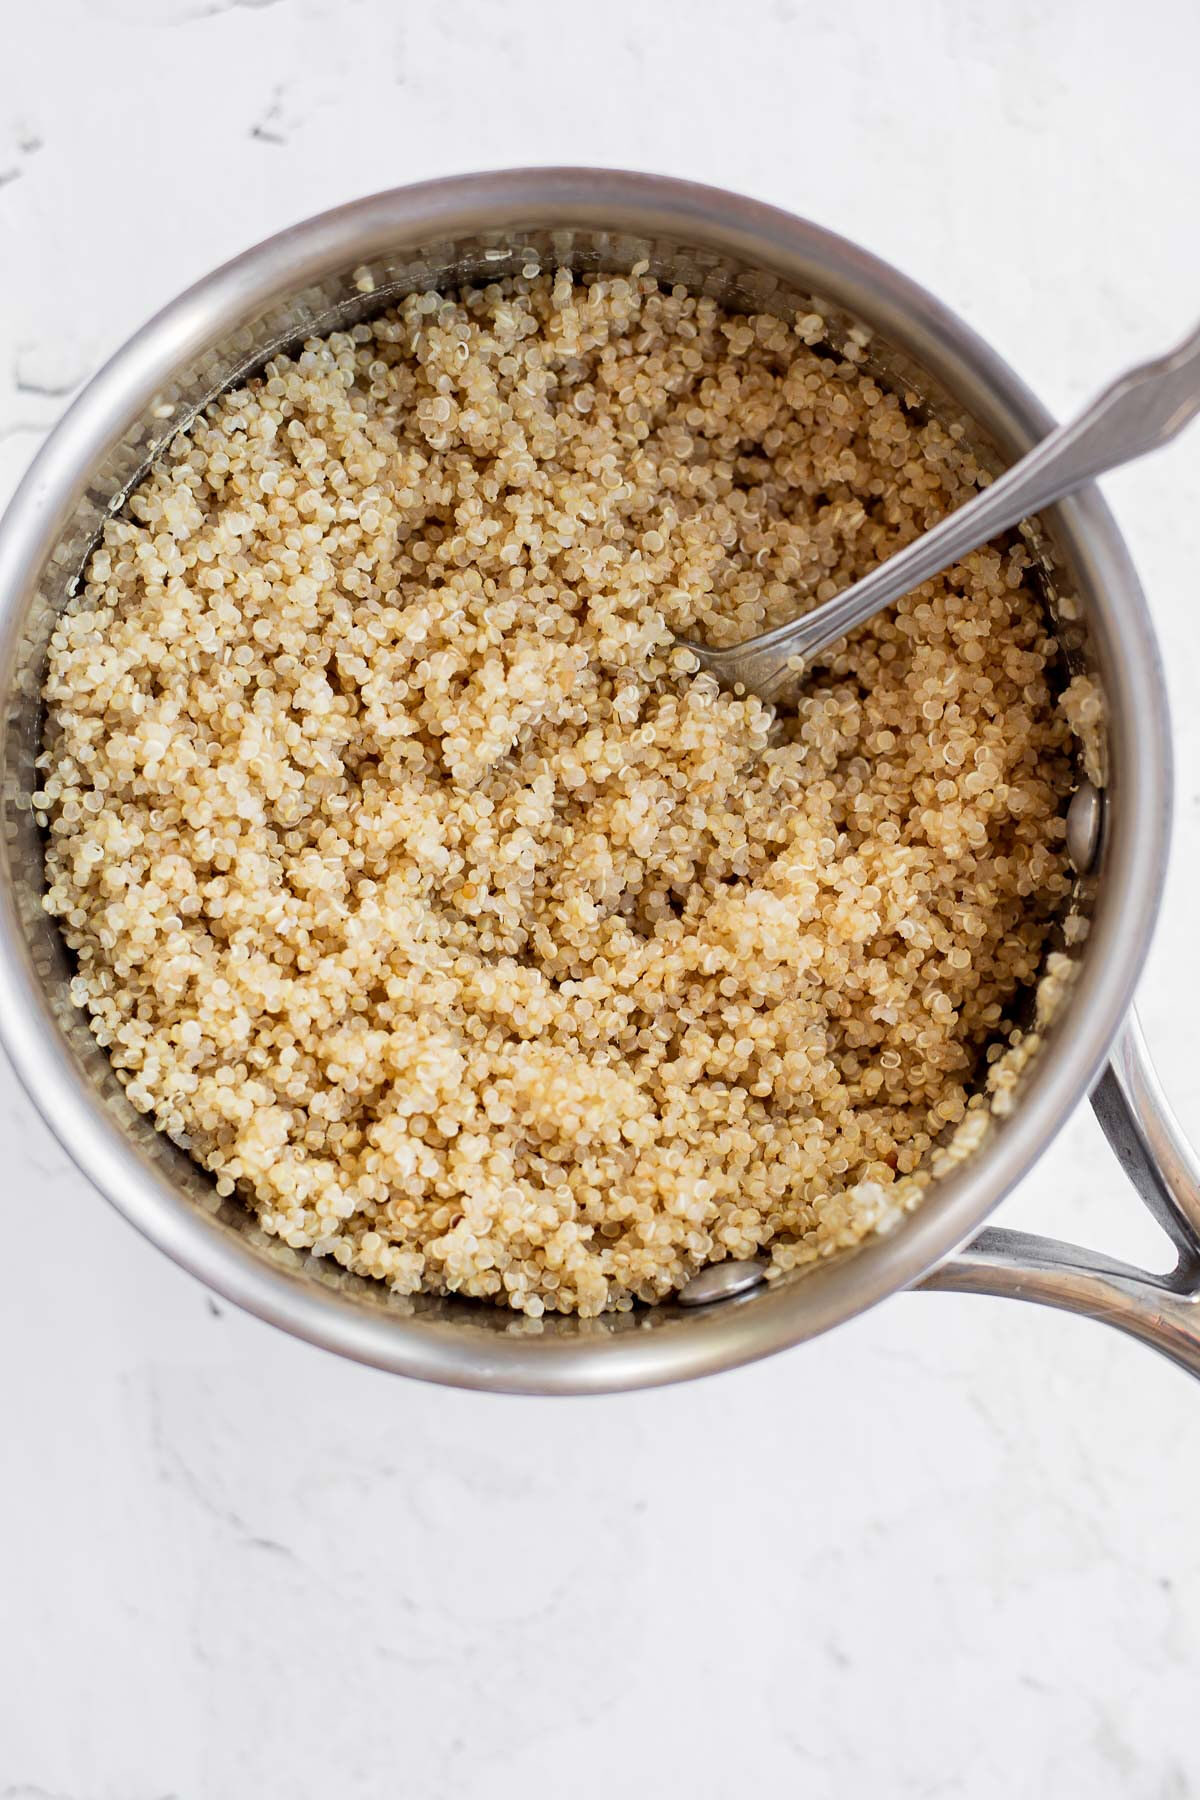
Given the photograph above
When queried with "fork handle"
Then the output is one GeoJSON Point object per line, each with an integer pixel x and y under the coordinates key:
{"type": "Point", "coordinates": [1140, 411]}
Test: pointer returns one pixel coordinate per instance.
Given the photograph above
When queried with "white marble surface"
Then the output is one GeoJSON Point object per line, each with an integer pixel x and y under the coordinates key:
{"type": "Point", "coordinates": [951, 1550]}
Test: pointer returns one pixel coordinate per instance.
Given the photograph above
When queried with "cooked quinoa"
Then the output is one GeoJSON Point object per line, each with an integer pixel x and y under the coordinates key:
{"type": "Point", "coordinates": [422, 890]}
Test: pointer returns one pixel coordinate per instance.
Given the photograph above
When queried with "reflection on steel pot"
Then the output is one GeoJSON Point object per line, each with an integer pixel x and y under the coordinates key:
{"type": "Point", "coordinates": [334, 270]}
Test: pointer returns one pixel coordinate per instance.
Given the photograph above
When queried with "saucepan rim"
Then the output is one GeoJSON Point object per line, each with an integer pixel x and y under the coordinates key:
{"type": "Point", "coordinates": [670, 1345]}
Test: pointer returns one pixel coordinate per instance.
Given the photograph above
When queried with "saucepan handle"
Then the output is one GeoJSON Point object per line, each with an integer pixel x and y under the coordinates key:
{"type": "Point", "coordinates": [1161, 1310]}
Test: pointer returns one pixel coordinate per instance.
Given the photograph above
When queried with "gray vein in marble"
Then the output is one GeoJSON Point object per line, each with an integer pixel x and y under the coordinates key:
{"type": "Point", "coordinates": [169, 13]}
{"type": "Point", "coordinates": [267, 130]}
{"type": "Point", "coordinates": [28, 144]}
{"type": "Point", "coordinates": [177, 1472]}
{"type": "Point", "coordinates": [29, 1790]}
{"type": "Point", "coordinates": [48, 390]}
{"type": "Point", "coordinates": [38, 1150]}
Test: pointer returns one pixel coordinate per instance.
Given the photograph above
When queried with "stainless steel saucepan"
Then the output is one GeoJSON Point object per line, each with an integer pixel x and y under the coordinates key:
{"type": "Point", "coordinates": [338, 268]}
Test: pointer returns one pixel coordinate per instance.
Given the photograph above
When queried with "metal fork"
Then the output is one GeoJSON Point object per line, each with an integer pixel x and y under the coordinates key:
{"type": "Point", "coordinates": [1140, 411]}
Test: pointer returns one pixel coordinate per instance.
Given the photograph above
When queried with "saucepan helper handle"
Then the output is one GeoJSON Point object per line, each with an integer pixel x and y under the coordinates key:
{"type": "Point", "coordinates": [1162, 1311]}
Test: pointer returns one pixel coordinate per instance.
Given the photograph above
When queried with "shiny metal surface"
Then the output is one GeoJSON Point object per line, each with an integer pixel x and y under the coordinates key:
{"type": "Point", "coordinates": [331, 271]}
{"type": "Point", "coordinates": [1162, 1311]}
{"type": "Point", "coordinates": [1140, 411]}
{"type": "Point", "coordinates": [722, 1281]}
{"type": "Point", "coordinates": [1085, 820]}
{"type": "Point", "coordinates": [1149, 1145]}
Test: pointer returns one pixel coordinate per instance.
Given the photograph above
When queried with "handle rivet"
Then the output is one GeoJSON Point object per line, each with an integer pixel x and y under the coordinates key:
{"type": "Point", "coordinates": [1085, 819]}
